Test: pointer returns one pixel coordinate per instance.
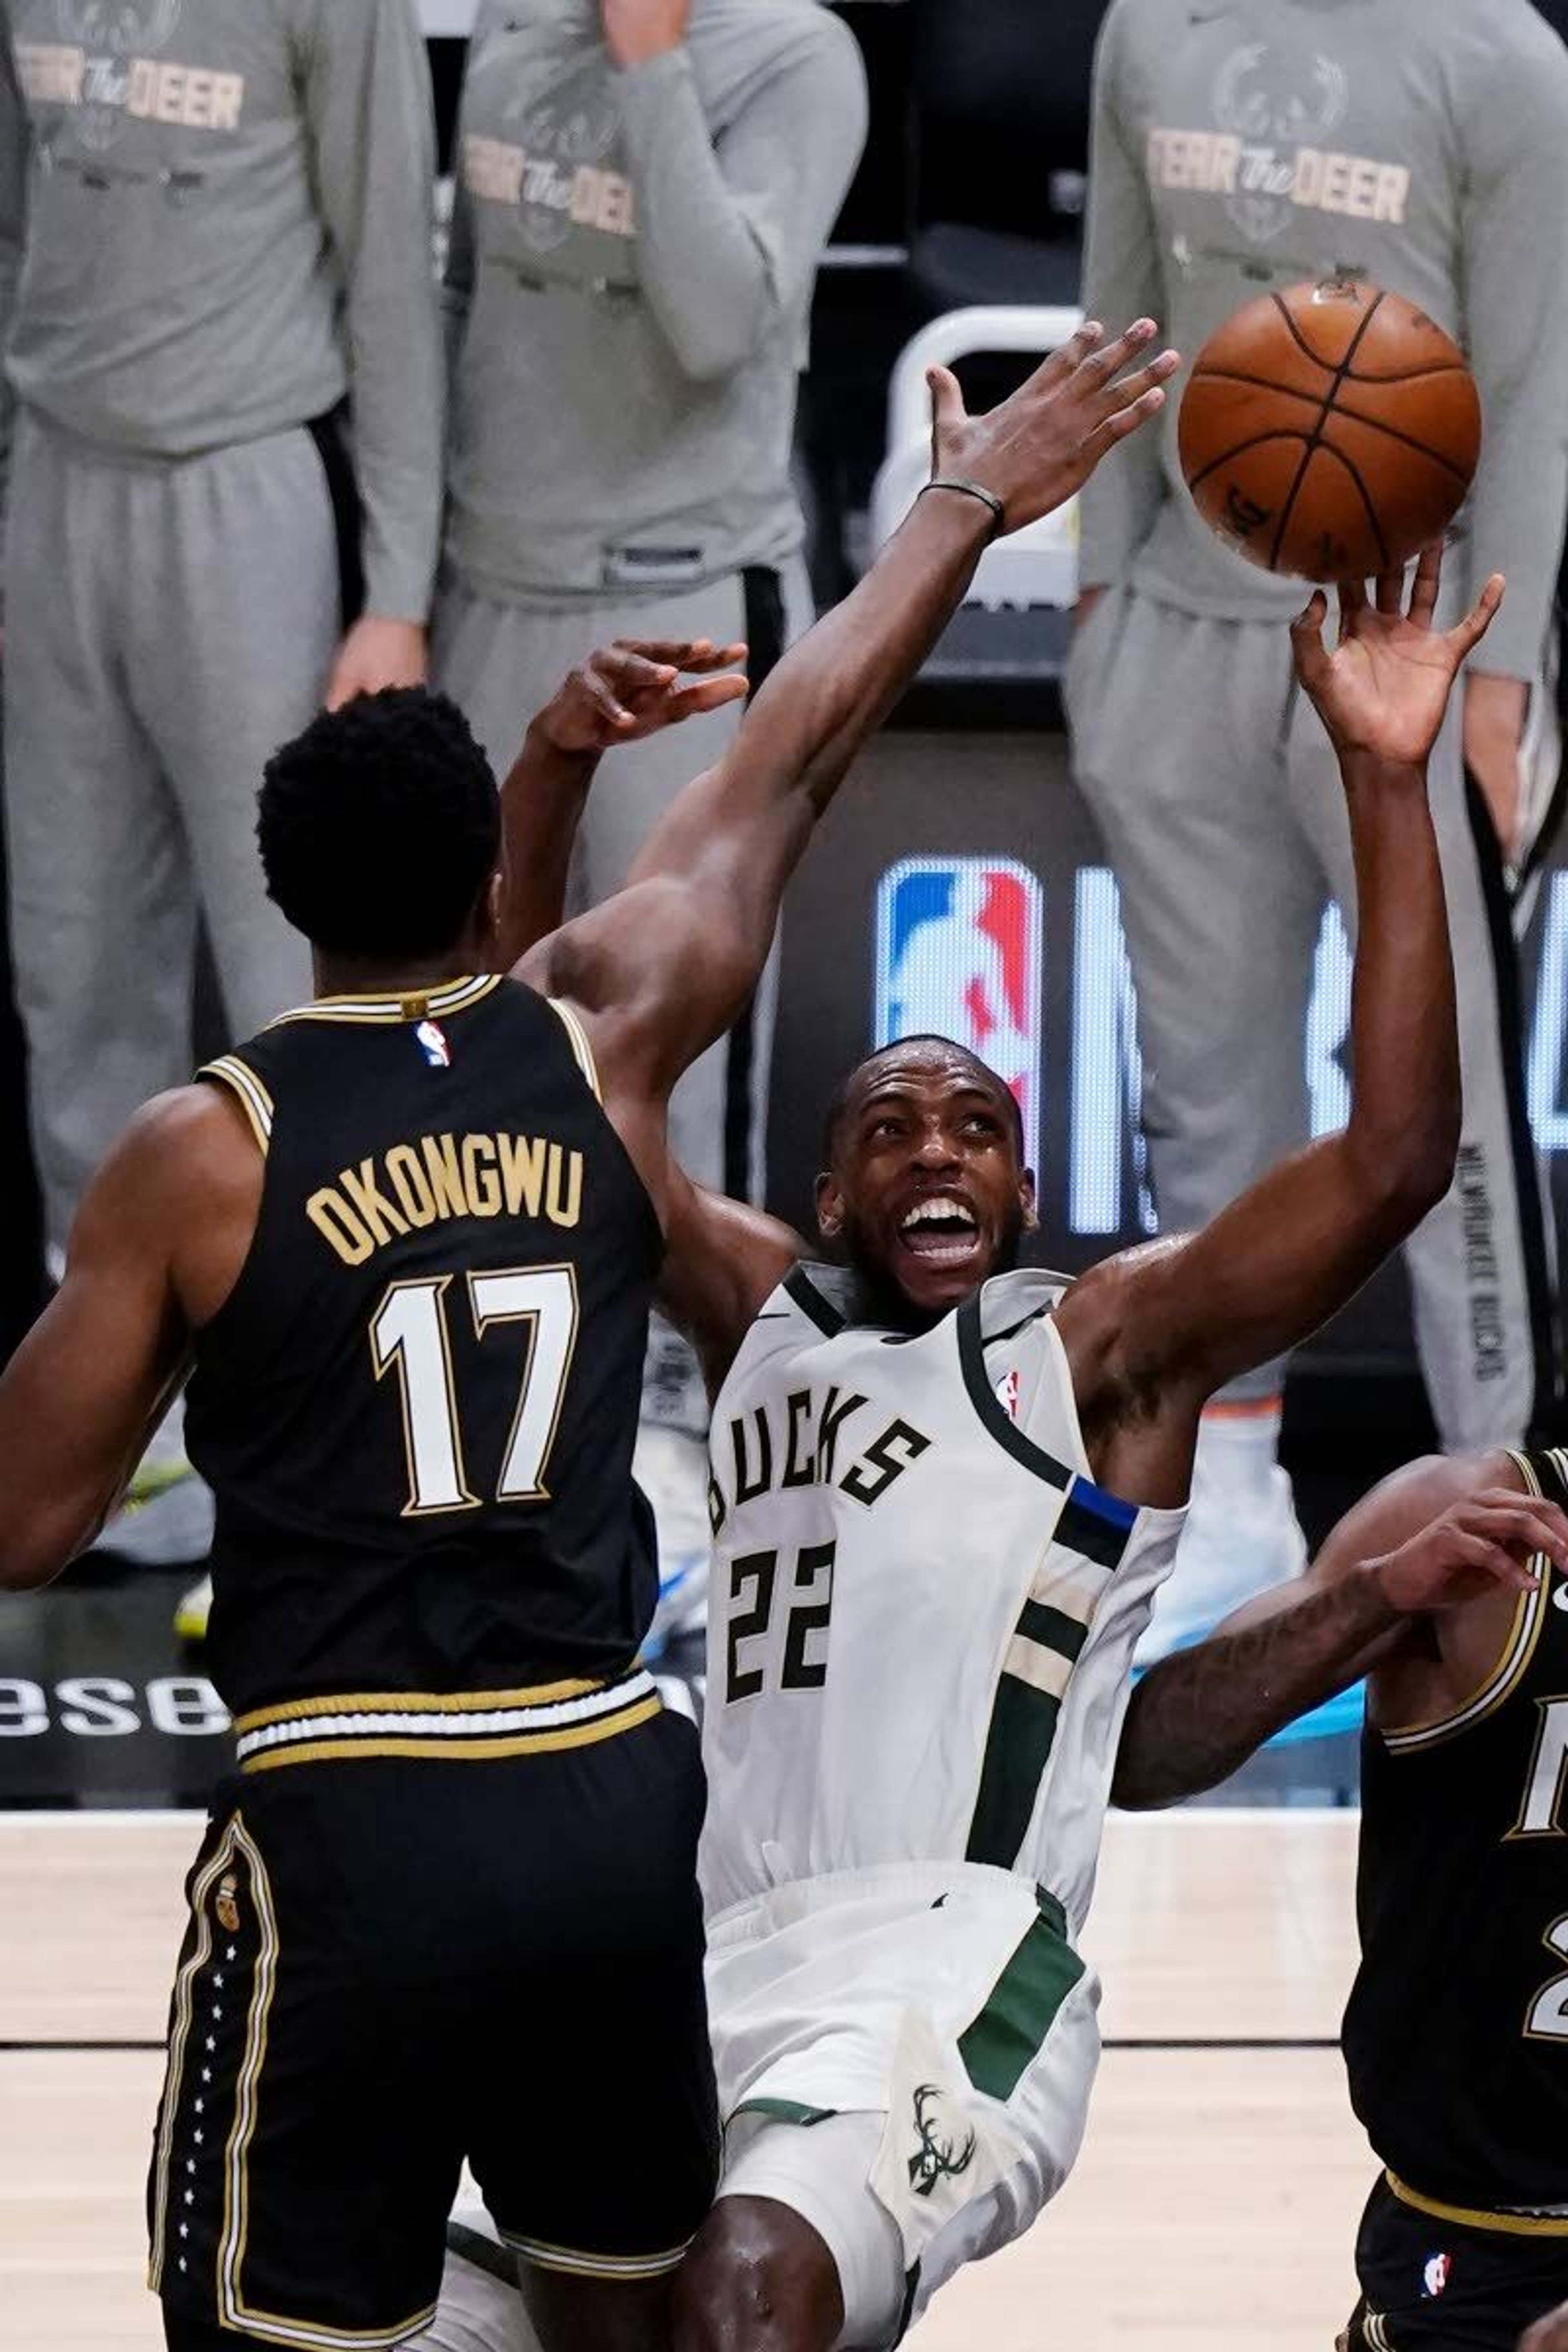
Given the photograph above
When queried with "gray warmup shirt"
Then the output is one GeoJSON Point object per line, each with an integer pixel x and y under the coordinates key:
{"type": "Point", "coordinates": [216, 221]}
{"type": "Point", "coordinates": [1243, 144]}
{"type": "Point", "coordinates": [632, 262]}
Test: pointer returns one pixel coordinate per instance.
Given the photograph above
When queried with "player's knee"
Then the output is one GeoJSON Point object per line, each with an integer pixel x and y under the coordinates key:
{"type": "Point", "coordinates": [757, 2279]}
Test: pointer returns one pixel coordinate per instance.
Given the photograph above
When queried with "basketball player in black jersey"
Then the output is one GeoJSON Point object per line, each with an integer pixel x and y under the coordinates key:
{"type": "Point", "coordinates": [405, 1241]}
{"type": "Point", "coordinates": [1456, 2037]}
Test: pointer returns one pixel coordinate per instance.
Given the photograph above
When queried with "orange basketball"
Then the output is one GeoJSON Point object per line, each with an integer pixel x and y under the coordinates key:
{"type": "Point", "coordinates": [1331, 431]}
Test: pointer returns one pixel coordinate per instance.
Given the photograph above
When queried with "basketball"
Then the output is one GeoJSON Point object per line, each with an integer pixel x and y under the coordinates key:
{"type": "Point", "coordinates": [1331, 431]}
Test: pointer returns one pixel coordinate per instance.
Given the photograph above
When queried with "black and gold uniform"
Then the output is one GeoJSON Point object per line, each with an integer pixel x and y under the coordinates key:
{"type": "Point", "coordinates": [1456, 2036]}
{"type": "Point", "coordinates": [446, 1908]}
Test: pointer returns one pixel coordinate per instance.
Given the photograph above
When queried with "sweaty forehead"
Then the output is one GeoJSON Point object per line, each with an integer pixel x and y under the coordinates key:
{"type": "Point", "coordinates": [935, 1073]}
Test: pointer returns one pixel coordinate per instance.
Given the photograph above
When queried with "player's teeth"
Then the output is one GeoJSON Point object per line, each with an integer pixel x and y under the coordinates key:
{"type": "Point", "coordinates": [937, 1212]}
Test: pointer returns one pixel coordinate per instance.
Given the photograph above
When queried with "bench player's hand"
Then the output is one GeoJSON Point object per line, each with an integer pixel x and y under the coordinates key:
{"type": "Point", "coordinates": [1548, 2335]}
{"type": "Point", "coordinates": [1487, 1542]}
{"type": "Point", "coordinates": [1043, 444]}
{"type": "Point", "coordinates": [635, 687]}
{"type": "Point", "coordinates": [377, 654]}
{"type": "Point", "coordinates": [1383, 690]}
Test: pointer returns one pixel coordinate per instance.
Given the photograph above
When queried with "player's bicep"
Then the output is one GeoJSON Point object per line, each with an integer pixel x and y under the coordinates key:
{"type": "Point", "coordinates": [81, 1396]}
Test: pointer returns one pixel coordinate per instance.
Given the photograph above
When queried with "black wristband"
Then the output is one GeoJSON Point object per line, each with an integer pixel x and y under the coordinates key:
{"type": "Point", "coordinates": [972, 490]}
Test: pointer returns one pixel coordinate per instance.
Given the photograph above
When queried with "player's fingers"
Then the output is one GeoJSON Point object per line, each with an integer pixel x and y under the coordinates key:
{"type": "Point", "coordinates": [1066, 359]}
{"type": "Point", "coordinates": [1307, 638]}
{"type": "Point", "coordinates": [716, 658]}
{"type": "Point", "coordinates": [1127, 389]}
{"type": "Point", "coordinates": [709, 694]}
{"type": "Point", "coordinates": [947, 407]}
{"type": "Point", "coordinates": [1428, 581]}
{"type": "Point", "coordinates": [1466, 636]}
{"type": "Point", "coordinates": [598, 691]}
{"type": "Point", "coordinates": [675, 653]}
{"type": "Point", "coordinates": [1390, 593]}
{"type": "Point", "coordinates": [1352, 597]}
{"type": "Point", "coordinates": [632, 673]}
{"type": "Point", "coordinates": [1107, 360]}
{"type": "Point", "coordinates": [1115, 428]}
{"type": "Point", "coordinates": [1538, 1526]}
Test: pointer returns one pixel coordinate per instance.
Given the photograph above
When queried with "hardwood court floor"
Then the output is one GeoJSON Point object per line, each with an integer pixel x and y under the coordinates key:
{"type": "Point", "coordinates": [1214, 2206]}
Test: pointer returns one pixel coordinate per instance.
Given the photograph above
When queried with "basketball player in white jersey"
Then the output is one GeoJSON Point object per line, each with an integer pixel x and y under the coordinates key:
{"type": "Point", "coordinates": [944, 1493]}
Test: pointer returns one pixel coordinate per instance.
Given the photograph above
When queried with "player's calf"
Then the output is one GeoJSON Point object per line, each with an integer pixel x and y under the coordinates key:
{"type": "Point", "coordinates": [758, 2279]}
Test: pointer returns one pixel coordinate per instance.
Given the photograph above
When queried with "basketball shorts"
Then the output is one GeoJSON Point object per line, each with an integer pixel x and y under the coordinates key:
{"type": "Point", "coordinates": [393, 1964]}
{"type": "Point", "coordinates": [904, 2058]}
{"type": "Point", "coordinates": [1430, 2286]}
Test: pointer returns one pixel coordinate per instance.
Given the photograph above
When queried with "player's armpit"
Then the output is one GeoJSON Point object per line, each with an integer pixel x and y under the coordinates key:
{"type": "Point", "coordinates": [84, 1392]}
{"type": "Point", "coordinates": [1418, 1542]}
{"type": "Point", "coordinates": [722, 1260]}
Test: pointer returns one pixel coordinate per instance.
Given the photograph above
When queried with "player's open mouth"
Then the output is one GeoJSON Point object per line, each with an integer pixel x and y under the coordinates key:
{"type": "Point", "coordinates": [941, 1230]}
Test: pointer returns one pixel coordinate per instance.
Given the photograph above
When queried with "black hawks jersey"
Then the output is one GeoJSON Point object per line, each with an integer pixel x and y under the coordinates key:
{"type": "Point", "coordinates": [1457, 2034]}
{"type": "Point", "coordinates": [418, 1407]}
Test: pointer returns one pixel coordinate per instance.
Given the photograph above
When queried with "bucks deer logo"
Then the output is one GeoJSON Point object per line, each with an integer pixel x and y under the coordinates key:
{"type": "Point", "coordinates": [939, 2156]}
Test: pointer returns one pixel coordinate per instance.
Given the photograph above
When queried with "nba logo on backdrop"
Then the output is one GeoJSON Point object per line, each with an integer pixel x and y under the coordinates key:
{"type": "Point", "coordinates": [958, 955]}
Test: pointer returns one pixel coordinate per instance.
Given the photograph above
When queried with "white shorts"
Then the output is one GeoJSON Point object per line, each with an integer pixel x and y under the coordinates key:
{"type": "Point", "coordinates": [905, 2058]}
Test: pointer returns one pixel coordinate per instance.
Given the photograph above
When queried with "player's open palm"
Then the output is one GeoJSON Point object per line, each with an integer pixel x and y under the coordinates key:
{"type": "Point", "coordinates": [1384, 688]}
{"type": "Point", "coordinates": [638, 685]}
{"type": "Point", "coordinates": [1487, 1540]}
{"type": "Point", "coordinates": [1044, 442]}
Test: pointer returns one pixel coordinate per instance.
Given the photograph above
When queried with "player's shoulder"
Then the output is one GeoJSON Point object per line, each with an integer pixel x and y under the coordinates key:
{"type": "Point", "coordinates": [169, 1162]}
{"type": "Point", "coordinates": [1029, 1294]}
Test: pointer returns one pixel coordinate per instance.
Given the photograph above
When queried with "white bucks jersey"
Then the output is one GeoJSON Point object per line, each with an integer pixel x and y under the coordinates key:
{"type": "Point", "coordinates": [924, 1610]}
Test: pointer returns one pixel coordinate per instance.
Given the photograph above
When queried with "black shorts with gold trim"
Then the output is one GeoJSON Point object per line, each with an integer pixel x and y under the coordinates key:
{"type": "Point", "coordinates": [393, 1964]}
{"type": "Point", "coordinates": [1434, 2282]}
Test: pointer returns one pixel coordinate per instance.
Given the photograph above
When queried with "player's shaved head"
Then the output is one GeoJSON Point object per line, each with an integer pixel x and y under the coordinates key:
{"type": "Point", "coordinates": [924, 1183]}
{"type": "Point", "coordinates": [936, 1053]}
{"type": "Point", "coordinates": [380, 826]}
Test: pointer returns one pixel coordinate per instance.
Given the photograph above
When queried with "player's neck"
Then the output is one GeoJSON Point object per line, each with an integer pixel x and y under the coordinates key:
{"type": "Point", "coordinates": [343, 975]}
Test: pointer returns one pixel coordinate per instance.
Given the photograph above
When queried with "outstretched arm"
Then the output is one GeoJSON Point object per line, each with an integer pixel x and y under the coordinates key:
{"type": "Point", "coordinates": [620, 695]}
{"type": "Point", "coordinates": [661, 970]}
{"type": "Point", "coordinates": [1441, 1535]}
{"type": "Point", "coordinates": [1174, 1322]}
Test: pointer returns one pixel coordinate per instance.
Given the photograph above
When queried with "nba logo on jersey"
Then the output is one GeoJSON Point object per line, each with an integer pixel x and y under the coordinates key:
{"type": "Point", "coordinates": [958, 955]}
{"type": "Point", "coordinates": [1435, 2278]}
{"type": "Point", "coordinates": [433, 1045]}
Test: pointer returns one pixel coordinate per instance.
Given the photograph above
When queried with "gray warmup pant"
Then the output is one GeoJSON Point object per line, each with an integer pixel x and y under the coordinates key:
{"type": "Point", "coordinates": [1217, 793]}
{"type": "Point", "coordinates": [501, 663]}
{"type": "Point", "coordinates": [168, 625]}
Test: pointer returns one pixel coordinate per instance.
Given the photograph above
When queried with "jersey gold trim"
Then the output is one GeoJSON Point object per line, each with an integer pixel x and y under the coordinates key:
{"type": "Point", "coordinates": [578, 1038]}
{"type": "Point", "coordinates": [460, 1750]}
{"type": "Point", "coordinates": [1474, 2217]}
{"type": "Point", "coordinates": [1529, 1616]}
{"type": "Point", "coordinates": [242, 1083]}
{"type": "Point", "coordinates": [300, 1710]}
{"type": "Point", "coordinates": [392, 1007]}
{"type": "Point", "coordinates": [179, 2035]}
{"type": "Point", "coordinates": [574, 2265]}
{"type": "Point", "coordinates": [471, 1734]}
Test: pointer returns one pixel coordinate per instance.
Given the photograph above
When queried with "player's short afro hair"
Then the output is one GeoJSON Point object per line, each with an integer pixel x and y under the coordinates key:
{"type": "Point", "coordinates": [838, 1102]}
{"type": "Point", "coordinates": [380, 826]}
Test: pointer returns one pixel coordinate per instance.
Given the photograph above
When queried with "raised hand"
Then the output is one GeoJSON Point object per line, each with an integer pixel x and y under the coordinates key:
{"type": "Point", "coordinates": [1487, 1540]}
{"type": "Point", "coordinates": [1384, 688]}
{"type": "Point", "coordinates": [1043, 444]}
{"type": "Point", "coordinates": [633, 688]}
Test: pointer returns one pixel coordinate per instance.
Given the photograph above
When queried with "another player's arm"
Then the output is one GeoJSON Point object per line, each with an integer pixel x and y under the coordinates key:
{"type": "Point", "coordinates": [1437, 1536]}
{"type": "Point", "coordinates": [662, 969]}
{"type": "Point", "coordinates": [1548, 2335]}
{"type": "Point", "coordinates": [721, 1260]}
{"type": "Point", "coordinates": [1159, 1329]}
{"type": "Point", "coordinates": [619, 695]}
{"type": "Point", "coordinates": [82, 1394]}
